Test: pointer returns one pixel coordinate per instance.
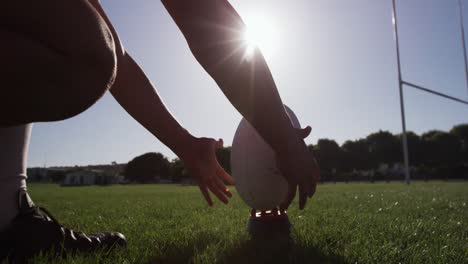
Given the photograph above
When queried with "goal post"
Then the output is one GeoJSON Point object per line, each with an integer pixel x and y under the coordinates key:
{"type": "Point", "coordinates": [403, 83]}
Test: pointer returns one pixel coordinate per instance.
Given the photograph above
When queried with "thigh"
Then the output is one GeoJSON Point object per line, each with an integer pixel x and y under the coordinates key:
{"type": "Point", "coordinates": [57, 58]}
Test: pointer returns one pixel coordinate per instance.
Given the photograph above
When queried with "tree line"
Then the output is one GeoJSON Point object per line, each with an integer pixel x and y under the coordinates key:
{"type": "Point", "coordinates": [434, 154]}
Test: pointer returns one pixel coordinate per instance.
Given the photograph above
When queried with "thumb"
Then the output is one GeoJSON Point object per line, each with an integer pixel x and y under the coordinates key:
{"type": "Point", "coordinates": [303, 132]}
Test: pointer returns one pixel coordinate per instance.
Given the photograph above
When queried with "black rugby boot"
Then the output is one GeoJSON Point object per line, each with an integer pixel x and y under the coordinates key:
{"type": "Point", "coordinates": [35, 230]}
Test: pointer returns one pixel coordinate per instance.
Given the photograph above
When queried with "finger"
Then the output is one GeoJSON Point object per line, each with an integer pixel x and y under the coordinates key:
{"type": "Point", "coordinates": [310, 186]}
{"type": "Point", "coordinates": [304, 132]}
{"type": "Point", "coordinates": [205, 193]}
{"type": "Point", "coordinates": [314, 188]}
{"type": "Point", "coordinates": [315, 178]}
{"type": "Point", "coordinates": [289, 197]}
{"type": "Point", "coordinates": [218, 193]}
{"type": "Point", "coordinates": [317, 175]}
{"type": "Point", "coordinates": [302, 197]}
{"type": "Point", "coordinates": [224, 175]}
{"type": "Point", "coordinates": [219, 143]}
{"type": "Point", "coordinates": [220, 184]}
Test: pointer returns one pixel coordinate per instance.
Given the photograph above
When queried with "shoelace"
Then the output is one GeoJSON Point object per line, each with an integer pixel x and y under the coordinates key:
{"type": "Point", "coordinates": [38, 211]}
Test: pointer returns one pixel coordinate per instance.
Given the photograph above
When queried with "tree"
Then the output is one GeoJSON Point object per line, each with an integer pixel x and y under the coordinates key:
{"type": "Point", "coordinates": [442, 148]}
{"type": "Point", "coordinates": [178, 171]}
{"type": "Point", "coordinates": [415, 148]}
{"type": "Point", "coordinates": [56, 175]}
{"type": "Point", "coordinates": [224, 158]}
{"type": "Point", "coordinates": [461, 132]}
{"type": "Point", "coordinates": [356, 155]}
{"type": "Point", "coordinates": [329, 156]}
{"type": "Point", "coordinates": [149, 167]}
{"type": "Point", "coordinates": [384, 147]}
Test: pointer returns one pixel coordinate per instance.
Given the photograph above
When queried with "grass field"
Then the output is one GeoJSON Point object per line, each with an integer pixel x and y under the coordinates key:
{"type": "Point", "coordinates": [344, 223]}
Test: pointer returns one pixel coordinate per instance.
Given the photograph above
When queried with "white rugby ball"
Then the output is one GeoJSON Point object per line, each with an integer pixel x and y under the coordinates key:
{"type": "Point", "coordinates": [253, 167]}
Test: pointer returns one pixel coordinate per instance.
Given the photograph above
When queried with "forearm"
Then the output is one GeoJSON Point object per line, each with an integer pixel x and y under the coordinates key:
{"type": "Point", "coordinates": [136, 94]}
{"type": "Point", "coordinates": [214, 31]}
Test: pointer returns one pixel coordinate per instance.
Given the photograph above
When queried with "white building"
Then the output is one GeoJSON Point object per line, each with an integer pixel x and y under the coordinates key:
{"type": "Point", "coordinates": [88, 177]}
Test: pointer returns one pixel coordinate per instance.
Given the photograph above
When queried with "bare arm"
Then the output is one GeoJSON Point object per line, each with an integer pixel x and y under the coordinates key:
{"type": "Point", "coordinates": [137, 95]}
{"type": "Point", "coordinates": [213, 30]}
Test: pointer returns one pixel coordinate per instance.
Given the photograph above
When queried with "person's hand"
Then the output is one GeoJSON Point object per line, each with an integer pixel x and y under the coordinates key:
{"type": "Point", "coordinates": [201, 163]}
{"type": "Point", "coordinates": [300, 169]}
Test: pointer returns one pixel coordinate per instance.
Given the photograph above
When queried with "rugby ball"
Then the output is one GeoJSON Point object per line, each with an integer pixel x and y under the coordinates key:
{"type": "Point", "coordinates": [253, 167]}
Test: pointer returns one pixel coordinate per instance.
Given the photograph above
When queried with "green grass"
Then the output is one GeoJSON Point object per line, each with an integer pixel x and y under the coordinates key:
{"type": "Point", "coordinates": [343, 223]}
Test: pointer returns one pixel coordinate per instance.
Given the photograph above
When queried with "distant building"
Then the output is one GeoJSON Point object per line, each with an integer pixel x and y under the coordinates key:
{"type": "Point", "coordinates": [165, 181]}
{"type": "Point", "coordinates": [188, 181]}
{"type": "Point", "coordinates": [392, 172]}
{"type": "Point", "coordinates": [89, 177]}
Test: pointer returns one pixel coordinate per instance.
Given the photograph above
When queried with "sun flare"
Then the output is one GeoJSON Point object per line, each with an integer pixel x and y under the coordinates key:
{"type": "Point", "coordinates": [260, 33]}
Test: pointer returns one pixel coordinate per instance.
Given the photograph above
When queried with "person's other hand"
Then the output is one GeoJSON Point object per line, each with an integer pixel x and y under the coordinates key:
{"type": "Point", "coordinates": [201, 163]}
{"type": "Point", "coordinates": [300, 169]}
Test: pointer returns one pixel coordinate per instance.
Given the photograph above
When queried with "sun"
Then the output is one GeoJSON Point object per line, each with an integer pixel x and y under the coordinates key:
{"type": "Point", "coordinates": [260, 33]}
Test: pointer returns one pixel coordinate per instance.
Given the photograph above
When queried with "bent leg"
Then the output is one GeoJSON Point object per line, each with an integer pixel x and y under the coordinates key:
{"type": "Point", "coordinates": [14, 143]}
{"type": "Point", "coordinates": [57, 59]}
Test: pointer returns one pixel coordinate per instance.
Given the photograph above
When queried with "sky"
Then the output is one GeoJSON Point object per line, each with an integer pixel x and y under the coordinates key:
{"type": "Point", "coordinates": [333, 61]}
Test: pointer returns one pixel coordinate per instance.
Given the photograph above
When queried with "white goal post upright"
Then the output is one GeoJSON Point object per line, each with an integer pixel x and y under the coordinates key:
{"type": "Point", "coordinates": [402, 102]}
{"type": "Point", "coordinates": [462, 27]}
{"type": "Point", "coordinates": [402, 83]}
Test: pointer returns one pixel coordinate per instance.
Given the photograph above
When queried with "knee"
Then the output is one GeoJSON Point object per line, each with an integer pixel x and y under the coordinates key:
{"type": "Point", "coordinates": [66, 76]}
{"type": "Point", "coordinates": [88, 83]}
{"type": "Point", "coordinates": [83, 82]}
{"type": "Point", "coordinates": [92, 75]}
